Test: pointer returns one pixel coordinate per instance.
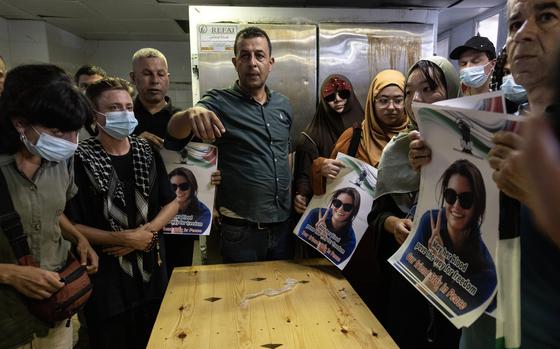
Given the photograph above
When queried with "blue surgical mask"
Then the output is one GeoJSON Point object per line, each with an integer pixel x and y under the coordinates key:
{"type": "Point", "coordinates": [473, 76]}
{"type": "Point", "coordinates": [49, 147]}
{"type": "Point", "coordinates": [119, 124]}
{"type": "Point", "coordinates": [512, 91]}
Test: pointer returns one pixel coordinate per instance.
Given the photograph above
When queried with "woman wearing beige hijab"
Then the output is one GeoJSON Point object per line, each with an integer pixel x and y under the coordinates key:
{"type": "Point", "coordinates": [385, 117]}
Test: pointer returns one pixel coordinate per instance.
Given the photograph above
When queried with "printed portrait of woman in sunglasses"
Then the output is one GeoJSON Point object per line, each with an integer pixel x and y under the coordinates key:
{"type": "Point", "coordinates": [329, 229]}
{"type": "Point", "coordinates": [457, 266]}
{"type": "Point", "coordinates": [193, 216]}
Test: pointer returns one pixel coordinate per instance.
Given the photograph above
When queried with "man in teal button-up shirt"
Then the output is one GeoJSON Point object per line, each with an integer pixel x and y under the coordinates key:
{"type": "Point", "coordinates": [250, 124]}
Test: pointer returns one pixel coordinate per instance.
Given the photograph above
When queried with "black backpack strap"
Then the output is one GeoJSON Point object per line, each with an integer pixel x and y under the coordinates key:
{"type": "Point", "coordinates": [10, 222]}
{"type": "Point", "coordinates": [355, 140]}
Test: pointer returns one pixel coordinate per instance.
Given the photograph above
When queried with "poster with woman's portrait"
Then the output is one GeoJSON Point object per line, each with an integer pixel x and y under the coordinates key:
{"type": "Point", "coordinates": [449, 256]}
{"type": "Point", "coordinates": [491, 102]}
{"type": "Point", "coordinates": [189, 171]}
{"type": "Point", "coordinates": [335, 222]}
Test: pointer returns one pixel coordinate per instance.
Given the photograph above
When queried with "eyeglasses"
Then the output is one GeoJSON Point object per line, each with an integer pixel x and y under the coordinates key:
{"type": "Point", "coordinates": [182, 186]}
{"type": "Point", "coordinates": [343, 94]}
{"type": "Point", "coordinates": [384, 101]}
{"type": "Point", "coordinates": [346, 207]}
{"type": "Point", "coordinates": [466, 199]}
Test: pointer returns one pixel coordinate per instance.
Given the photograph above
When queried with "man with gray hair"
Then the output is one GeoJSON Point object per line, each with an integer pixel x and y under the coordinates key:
{"type": "Point", "coordinates": [152, 107]}
{"type": "Point", "coordinates": [532, 46]}
{"type": "Point", "coordinates": [529, 254]}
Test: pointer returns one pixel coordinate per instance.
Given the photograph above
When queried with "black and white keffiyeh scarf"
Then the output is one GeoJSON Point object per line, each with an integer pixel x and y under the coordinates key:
{"type": "Point", "coordinates": [102, 175]}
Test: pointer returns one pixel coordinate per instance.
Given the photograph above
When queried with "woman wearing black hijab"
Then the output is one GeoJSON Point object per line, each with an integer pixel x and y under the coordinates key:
{"type": "Point", "coordinates": [337, 110]}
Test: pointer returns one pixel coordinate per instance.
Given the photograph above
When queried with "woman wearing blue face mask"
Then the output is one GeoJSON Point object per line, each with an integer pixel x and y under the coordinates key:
{"type": "Point", "coordinates": [124, 200]}
{"type": "Point", "coordinates": [513, 91]}
{"type": "Point", "coordinates": [515, 95]}
{"type": "Point", "coordinates": [40, 114]}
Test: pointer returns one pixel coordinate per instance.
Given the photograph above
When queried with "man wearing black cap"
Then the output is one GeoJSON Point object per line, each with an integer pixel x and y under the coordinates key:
{"type": "Point", "coordinates": [477, 58]}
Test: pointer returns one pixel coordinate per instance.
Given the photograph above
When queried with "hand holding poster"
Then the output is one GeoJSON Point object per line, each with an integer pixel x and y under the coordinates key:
{"type": "Point", "coordinates": [335, 222]}
{"type": "Point", "coordinates": [449, 256]}
{"type": "Point", "coordinates": [190, 170]}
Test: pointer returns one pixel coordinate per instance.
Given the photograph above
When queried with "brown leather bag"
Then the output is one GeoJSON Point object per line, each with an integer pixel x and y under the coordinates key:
{"type": "Point", "coordinates": [69, 299]}
{"type": "Point", "coordinates": [77, 286]}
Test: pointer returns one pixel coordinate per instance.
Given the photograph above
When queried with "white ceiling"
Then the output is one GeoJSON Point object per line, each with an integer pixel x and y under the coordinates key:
{"type": "Point", "coordinates": [164, 19]}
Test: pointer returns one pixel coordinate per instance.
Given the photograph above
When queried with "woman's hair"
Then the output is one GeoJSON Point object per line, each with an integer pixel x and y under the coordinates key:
{"type": "Point", "coordinates": [191, 179]}
{"type": "Point", "coordinates": [434, 76]}
{"type": "Point", "coordinates": [355, 199]}
{"type": "Point", "coordinates": [466, 169]}
{"type": "Point", "coordinates": [432, 73]}
{"type": "Point", "coordinates": [39, 95]}
{"type": "Point", "coordinates": [96, 89]}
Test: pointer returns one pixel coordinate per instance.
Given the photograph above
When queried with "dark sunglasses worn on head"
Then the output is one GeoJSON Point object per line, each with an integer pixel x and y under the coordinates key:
{"type": "Point", "coordinates": [346, 207]}
{"type": "Point", "coordinates": [182, 186]}
{"type": "Point", "coordinates": [343, 94]}
{"type": "Point", "coordinates": [466, 199]}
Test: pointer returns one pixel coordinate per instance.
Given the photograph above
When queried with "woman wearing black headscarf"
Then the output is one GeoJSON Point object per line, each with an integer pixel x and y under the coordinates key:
{"type": "Point", "coordinates": [338, 110]}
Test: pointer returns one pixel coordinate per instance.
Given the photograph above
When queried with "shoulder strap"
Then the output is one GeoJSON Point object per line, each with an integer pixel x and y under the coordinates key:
{"type": "Point", "coordinates": [317, 152]}
{"type": "Point", "coordinates": [310, 139]}
{"type": "Point", "coordinates": [10, 222]}
{"type": "Point", "coordinates": [355, 140]}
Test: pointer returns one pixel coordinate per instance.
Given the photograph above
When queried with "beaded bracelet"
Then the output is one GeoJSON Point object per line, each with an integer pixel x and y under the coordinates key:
{"type": "Point", "coordinates": [153, 242]}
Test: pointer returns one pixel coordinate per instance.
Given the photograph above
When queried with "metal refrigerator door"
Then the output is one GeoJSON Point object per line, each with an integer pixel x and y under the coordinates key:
{"type": "Point", "coordinates": [361, 50]}
{"type": "Point", "coordinates": [294, 73]}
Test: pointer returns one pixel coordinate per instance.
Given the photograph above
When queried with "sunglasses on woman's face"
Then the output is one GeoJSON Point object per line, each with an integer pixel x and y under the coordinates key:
{"type": "Point", "coordinates": [182, 186]}
{"type": "Point", "coordinates": [343, 94]}
{"type": "Point", "coordinates": [346, 207]}
{"type": "Point", "coordinates": [466, 199]}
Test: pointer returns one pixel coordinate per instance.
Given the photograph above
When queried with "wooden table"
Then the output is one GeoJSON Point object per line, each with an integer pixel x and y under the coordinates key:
{"type": "Point", "coordinates": [201, 309]}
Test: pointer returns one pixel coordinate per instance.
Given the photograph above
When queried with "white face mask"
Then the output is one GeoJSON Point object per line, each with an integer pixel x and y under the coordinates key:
{"type": "Point", "coordinates": [49, 147]}
{"type": "Point", "coordinates": [473, 76]}
{"type": "Point", "coordinates": [512, 91]}
{"type": "Point", "coordinates": [119, 124]}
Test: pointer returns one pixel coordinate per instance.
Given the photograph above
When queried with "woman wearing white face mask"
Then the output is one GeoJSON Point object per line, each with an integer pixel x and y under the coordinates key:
{"type": "Point", "coordinates": [515, 95]}
{"type": "Point", "coordinates": [513, 91]}
{"type": "Point", "coordinates": [40, 115]}
{"type": "Point", "coordinates": [124, 200]}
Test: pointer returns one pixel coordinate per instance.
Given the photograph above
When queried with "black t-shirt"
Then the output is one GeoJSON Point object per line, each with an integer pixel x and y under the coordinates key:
{"type": "Point", "coordinates": [153, 123]}
{"type": "Point", "coordinates": [125, 171]}
{"type": "Point", "coordinates": [115, 291]}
